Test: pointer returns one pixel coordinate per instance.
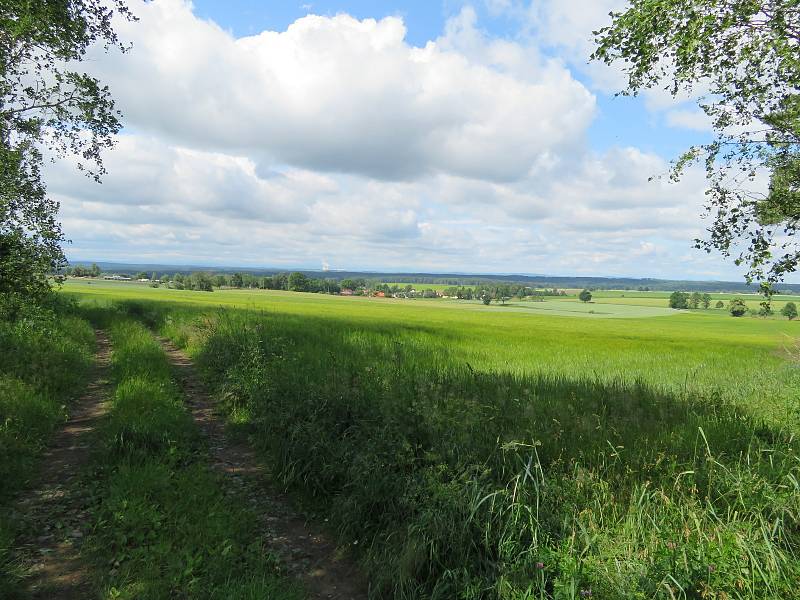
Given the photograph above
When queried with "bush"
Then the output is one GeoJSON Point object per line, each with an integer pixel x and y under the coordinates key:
{"type": "Point", "coordinates": [679, 300]}
{"type": "Point", "coordinates": [737, 308]}
{"type": "Point", "coordinates": [789, 310]}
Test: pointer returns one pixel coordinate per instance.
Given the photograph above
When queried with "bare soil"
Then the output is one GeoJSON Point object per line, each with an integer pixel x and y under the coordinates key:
{"type": "Point", "coordinates": [53, 513]}
{"type": "Point", "coordinates": [307, 552]}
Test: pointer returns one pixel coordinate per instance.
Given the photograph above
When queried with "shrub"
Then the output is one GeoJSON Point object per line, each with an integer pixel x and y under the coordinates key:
{"type": "Point", "coordinates": [679, 300]}
{"type": "Point", "coordinates": [789, 310]}
{"type": "Point", "coordinates": [737, 308]}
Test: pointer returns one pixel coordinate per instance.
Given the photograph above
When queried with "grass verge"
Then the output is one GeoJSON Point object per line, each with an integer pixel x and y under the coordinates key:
{"type": "Point", "coordinates": [45, 358]}
{"type": "Point", "coordinates": [164, 526]}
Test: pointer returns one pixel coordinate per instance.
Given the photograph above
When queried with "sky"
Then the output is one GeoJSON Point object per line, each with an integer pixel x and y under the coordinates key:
{"type": "Point", "coordinates": [436, 136]}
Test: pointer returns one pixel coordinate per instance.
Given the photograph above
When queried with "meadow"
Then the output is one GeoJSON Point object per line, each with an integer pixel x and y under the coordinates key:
{"type": "Point", "coordinates": [464, 451]}
{"type": "Point", "coordinates": [705, 351]}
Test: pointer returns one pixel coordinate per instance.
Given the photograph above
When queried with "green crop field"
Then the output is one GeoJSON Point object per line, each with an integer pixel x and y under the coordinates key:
{"type": "Point", "coordinates": [536, 450]}
{"type": "Point", "coordinates": [702, 350]}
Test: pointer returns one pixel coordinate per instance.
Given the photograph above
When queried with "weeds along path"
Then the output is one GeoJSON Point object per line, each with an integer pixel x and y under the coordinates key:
{"type": "Point", "coordinates": [309, 554]}
{"type": "Point", "coordinates": [54, 512]}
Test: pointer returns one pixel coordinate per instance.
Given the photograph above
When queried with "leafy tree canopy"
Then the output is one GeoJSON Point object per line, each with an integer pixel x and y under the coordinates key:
{"type": "Point", "coordinates": [742, 57]}
{"type": "Point", "coordinates": [47, 108]}
{"type": "Point", "coordinates": [679, 300]}
{"type": "Point", "coordinates": [737, 308]}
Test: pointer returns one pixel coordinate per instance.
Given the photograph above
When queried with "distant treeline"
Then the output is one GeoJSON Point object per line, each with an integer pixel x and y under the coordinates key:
{"type": "Point", "coordinates": [300, 282]}
{"type": "Point", "coordinates": [456, 279]}
{"type": "Point", "coordinates": [292, 282]}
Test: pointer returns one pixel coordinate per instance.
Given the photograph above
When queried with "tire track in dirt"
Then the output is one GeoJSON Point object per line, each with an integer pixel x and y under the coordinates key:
{"type": "Point", "coordinates": [53, 513]}
{"type": "Point", "coordinates": [308, 553]}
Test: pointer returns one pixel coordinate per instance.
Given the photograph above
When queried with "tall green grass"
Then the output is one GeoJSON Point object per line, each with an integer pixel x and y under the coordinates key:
{"type": "Point", "coordinates": [453, 480]}
{"type": "Point", "coordinates": [45, 359]}
{"type": "Point", "coordinates": [163, 525]}
{"type": "Point", "coordinates": [702, 352]}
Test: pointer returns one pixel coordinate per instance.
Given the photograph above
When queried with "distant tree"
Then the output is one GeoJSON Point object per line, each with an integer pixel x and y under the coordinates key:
{"type": "Point", "coordinates": [280, 281]}
{"type": "Point", "coordinates": [789, 310]}
{"type": "Point", "coordinates": [720, 304]}
{"type": "Point", "coordinates": [585, 296]}
{"type": "Point", "coordinates": [200, 281]}
{"type": "Point", "coordinates": [141, 275]}
{"type": "Point", "coordinates": [679, 300]}
{"type": "Point", "coordinates": [486, 299]}
{"type": "Point", "coordinates": [219, 281]}
{"type": "Point", "coordinates": [765, 310]}
{"type": "Point", "coordinates": [502, 294]}
{"type": "Point", "coordinates": [298, 282]}
{"type": "Point", "coordinates": [331, 286]}
{"type": "Point", "coordinates": [706, 300]}
{"type": "Point", "coordinates": [95, 270]}
{"type": "Point", "coordinates": [237, 280]}
{"type": "Point", "coordinates": [153, 276]}
{"type": "Point", "coordinates": [737, 308]}
{"type": "Point", "coordinates": [694, 300]}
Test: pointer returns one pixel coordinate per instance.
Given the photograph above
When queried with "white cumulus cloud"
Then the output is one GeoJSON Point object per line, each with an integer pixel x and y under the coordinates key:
{"type": "Point", "coordinates": [341, 94]}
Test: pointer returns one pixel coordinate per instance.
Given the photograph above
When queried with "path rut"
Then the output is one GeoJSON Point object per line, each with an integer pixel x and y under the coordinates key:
{"type": "Point", "coordinates": [53, 514]}
{"type": "Point", "coordinates": [309, 554]}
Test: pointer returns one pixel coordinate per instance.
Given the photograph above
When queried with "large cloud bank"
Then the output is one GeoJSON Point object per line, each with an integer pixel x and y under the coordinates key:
{"type": "Point", "coordinates": [336, 141]}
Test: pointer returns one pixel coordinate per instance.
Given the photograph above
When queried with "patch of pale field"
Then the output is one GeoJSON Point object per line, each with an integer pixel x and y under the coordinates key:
{"type": "Point", "coordinates": [570, 307]}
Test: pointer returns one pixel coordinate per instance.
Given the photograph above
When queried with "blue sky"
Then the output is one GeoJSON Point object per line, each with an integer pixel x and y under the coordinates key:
{"type": "Point", "coordinates": [425, 136]}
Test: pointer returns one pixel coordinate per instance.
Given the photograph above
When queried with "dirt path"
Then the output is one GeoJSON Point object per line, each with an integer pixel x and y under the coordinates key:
{"type": "Point", "coordinates": [308, 553]}
{"type": "Point", "coordinates": [53, 513]}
